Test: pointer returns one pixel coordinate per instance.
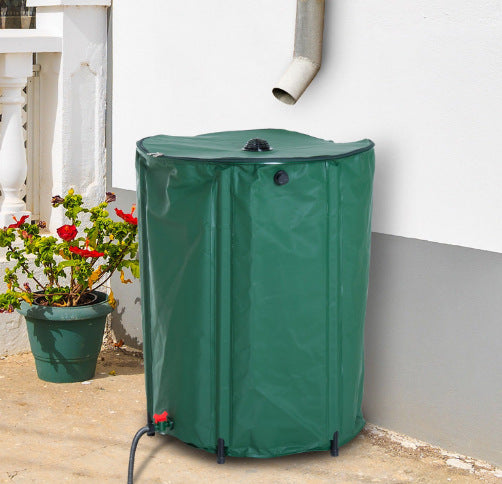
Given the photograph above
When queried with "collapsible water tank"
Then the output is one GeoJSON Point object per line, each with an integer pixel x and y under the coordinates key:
{"type": "Point", "coordinates": [254, 251]}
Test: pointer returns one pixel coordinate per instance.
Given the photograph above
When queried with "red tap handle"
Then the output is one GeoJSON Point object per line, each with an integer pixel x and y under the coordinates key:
{"type": "Point", "coordinates": [160, 418]}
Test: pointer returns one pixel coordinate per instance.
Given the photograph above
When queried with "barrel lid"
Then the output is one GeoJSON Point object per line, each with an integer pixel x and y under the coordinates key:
{"type": "Point", "coordinates": [228, 146]}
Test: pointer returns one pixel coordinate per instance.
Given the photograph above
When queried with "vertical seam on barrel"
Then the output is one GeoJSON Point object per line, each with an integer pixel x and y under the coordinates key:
{"type": "Point", "coordinates": [222, 290]}
{"type": "Point", "coordinates": [327, 297]}
{"type": "Point", "coordinates": [214, 332]}
{"type": "Point", "coordinates": [339, 285]}
{"type": "Point", "coordinates": [231, 299]}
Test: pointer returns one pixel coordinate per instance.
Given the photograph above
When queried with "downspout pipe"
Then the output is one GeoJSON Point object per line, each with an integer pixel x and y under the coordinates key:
{"type": "Point", "coordinates": [307, 54]}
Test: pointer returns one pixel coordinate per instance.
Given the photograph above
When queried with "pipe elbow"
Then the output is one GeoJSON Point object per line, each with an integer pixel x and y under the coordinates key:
{"type": "Point", "coordinates": [307, 53]}
{"type": "Point", "coordinates": [295, 80]}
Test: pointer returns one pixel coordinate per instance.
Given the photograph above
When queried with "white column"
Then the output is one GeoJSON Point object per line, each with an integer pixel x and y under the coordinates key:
{"type": "Point", "coordinates": [15, 68]}
{"type": "Point", "coordinates": [73, 102]}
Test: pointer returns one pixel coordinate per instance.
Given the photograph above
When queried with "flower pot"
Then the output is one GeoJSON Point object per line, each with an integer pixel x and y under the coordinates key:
{"type": "Point", "coordinates": [65, 342]}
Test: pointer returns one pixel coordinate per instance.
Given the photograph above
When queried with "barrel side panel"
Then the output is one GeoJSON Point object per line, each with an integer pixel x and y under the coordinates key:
{"type": "Point", "coordinates": [279, 372]}
{"type": "Point", "coordinates": [176, 212]}
{"type": "Point", "coordinates": [354, 190]}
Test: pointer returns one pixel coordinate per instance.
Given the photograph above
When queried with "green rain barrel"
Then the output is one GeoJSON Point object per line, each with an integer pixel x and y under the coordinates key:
{"type": "Point", "coordinates": [254, 282]}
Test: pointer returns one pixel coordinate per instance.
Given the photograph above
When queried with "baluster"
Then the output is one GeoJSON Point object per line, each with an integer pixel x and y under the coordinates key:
{"type": "Point", "coordinates": [14, 71]}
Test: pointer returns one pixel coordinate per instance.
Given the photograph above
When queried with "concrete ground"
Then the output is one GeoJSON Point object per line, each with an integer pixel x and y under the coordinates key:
{"type": "Point", "coordinates": [81, 432]}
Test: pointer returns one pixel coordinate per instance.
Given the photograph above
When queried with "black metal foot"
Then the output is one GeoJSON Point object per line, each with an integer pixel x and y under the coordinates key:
{"type": "Point", "coordinates": [334, 445]}
{"type": "Point", "coordinates": [221, 451]}
{"type": "Point", "coordinates": [150, 431]}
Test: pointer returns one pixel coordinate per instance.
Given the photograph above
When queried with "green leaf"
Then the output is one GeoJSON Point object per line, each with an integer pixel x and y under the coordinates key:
{"type": "Point", "coordinates": [134, 268]}
{"type": "Point", "coordinates": [68, 263]}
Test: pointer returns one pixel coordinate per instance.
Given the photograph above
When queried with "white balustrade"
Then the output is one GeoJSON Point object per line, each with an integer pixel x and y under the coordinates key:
{"type": "Point", "coordinates": [15, 68]}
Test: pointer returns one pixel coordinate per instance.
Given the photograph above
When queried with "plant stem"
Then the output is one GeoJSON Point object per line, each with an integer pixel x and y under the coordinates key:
{"type": "Point", "coordinates": [71, 271]}
{"type": "Point", "coordinates": [25, 269]}
{"type": "Point", "coordinates": [115, 268]}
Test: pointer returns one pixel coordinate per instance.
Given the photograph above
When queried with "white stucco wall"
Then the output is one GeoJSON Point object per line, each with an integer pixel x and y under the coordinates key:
{"type": "Point", "coordinates": [422, 79]}
{"type": "Point", "coordinates": [72, 103]}
{"type": "Point", "coordinates": [13, 335]}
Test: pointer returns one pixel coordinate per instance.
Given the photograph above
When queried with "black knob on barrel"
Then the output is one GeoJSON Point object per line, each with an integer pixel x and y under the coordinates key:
{"type": "Point", "coordinates": [257, 144]}
{"type": "Point", "coordinates": [281, 178]}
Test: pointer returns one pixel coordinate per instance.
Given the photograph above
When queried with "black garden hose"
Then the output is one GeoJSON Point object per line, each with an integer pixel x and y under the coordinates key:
{"type": "Point", "coordinates": [144, 430]}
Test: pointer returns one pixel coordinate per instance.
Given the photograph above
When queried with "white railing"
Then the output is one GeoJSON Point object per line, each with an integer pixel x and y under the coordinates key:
{"type": "Point", "coordinates": [16, 16]}
{"type": "Point", "coordinates": [16, 67]}
{"type": "Point", "coordinates": [29, 191]}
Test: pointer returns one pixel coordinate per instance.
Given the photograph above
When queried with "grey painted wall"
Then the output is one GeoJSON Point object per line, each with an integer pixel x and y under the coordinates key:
{"type": "Point", "coordinates": [433, 344]}
{"type": "Point", "coordinates": [433, 341]}
{"type": "Point", "coordinates": [126, 319]}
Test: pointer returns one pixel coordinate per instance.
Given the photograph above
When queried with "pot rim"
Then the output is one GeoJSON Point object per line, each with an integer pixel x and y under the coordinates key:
{"type": "Point", "coordinates": [76, 313]}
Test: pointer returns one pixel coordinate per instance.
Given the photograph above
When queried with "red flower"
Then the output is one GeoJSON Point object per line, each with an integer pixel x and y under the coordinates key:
{"type": "Point", "coordinates": [86, 253]}
{"type": "Point", "coordinates": [18, 222]}
{"type": "Point", "coordinates": [67, 232]}
{"type": "Point", "coordinates": [127, 216]}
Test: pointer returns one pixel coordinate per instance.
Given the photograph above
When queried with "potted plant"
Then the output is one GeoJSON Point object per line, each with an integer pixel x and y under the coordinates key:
{"type": "Point", "coordinates": [66, 311]}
